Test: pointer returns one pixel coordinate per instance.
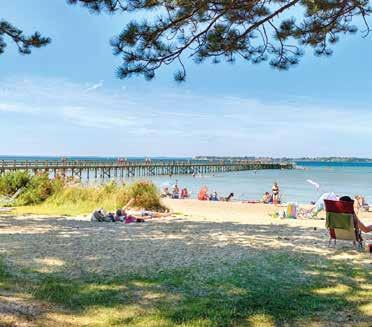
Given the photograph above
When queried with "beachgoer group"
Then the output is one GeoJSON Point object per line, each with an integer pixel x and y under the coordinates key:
{"type": "Point", "coordinates": [126, 215]}
{"type": "Point", "coordinates": [176, 193]}
{"type": "Point", "coordinates": [203, 195]}
{"type": "Point", "coordinates": [273, 197]}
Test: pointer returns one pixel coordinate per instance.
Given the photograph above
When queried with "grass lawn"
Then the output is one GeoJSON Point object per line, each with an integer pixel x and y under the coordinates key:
{"type": "Point", "coordinates": [269, 290]}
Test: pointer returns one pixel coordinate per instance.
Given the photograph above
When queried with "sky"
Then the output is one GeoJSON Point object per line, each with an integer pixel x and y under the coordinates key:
{"type": "Point", "coordinates": [65, 99]}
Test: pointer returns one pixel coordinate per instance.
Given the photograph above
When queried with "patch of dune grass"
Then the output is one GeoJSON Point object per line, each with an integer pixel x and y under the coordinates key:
{"type": "Point", "coordinates": [79, 199]}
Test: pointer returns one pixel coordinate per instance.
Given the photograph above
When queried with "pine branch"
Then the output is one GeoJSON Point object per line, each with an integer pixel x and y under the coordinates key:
{"type": "Point", "coordinates": [24, 43]}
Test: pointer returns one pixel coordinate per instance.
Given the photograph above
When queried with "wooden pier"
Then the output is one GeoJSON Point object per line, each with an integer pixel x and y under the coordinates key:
{"type": "Point", "coordinates": [88, 169]}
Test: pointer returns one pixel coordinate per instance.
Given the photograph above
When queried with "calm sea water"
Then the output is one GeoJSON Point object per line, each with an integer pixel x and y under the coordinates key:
{"type": "Point", "coordinates": [341, 178]}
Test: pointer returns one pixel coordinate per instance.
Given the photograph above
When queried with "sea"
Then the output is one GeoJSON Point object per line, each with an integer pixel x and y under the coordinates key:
{"type": "Point", "coordinates": [343, 178]}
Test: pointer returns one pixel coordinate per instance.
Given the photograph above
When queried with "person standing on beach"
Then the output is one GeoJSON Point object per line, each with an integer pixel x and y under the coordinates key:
{"type": "Point", "coordinates": [275, 190]}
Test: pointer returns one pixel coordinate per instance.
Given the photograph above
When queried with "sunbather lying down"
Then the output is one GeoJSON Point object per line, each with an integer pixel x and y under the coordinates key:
{"type": "Point", "coordinates": [140, 214]}
{"type": "Point", "coordinates": [126, 216]}
{"type": "Point", "coordinates": [317, 207]}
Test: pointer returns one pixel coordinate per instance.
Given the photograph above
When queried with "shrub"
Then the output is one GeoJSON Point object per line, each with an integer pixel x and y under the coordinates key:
{"type": "Point", "coordinates": [12, 181]}
{"type": "Point", "coordinates": [39, 188]}
{"type": "Point", "coordinates": [145, 195]}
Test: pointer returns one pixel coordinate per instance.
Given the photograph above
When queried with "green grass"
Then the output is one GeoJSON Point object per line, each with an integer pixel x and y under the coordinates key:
{"type": "Point", "coordinates": [270, 290]}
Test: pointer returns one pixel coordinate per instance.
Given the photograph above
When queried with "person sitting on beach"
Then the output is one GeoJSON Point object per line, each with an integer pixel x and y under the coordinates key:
{"type": "Point", "coordinates": [317, 206]}
{"type": "Point", "coordinates": [360, 203]}
{"type": "Point", "coordinates": [166, 193]}
{"type": "Point", "coordinates": [213, 197]}
{"type": "Point", "coordinates": [203, 194]}
{"type": "Point", "coordinates": [266, 198]}
{"type": "Point", "coordinates": [362, 227]}
{"type": "Point", "coordinates": [184, 193]}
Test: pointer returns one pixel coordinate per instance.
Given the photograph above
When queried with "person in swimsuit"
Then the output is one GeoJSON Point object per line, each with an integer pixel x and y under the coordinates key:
{"type": "Point", "coordinates": [275, 190]}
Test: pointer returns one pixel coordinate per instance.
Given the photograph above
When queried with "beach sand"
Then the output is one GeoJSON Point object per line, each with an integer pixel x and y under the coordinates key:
{"type": "Point", "coordinates": [198, 233]}
{"type": "Point", "coordinates": [208, 237]}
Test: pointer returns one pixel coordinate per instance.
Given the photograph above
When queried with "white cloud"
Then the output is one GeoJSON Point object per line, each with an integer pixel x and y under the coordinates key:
{"type": "Point", "coordinates": [95, 86]}
{"type": "Point", "coordinates": [175, 122]}
{"type": "Point", "coordinates": [17, 108]}
{"type": "Point", "coordinates": [91, 118]}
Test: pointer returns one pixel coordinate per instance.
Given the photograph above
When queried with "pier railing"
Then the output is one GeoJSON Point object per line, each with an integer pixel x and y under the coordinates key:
{"type": "Point", "coordinates": [122, 168]}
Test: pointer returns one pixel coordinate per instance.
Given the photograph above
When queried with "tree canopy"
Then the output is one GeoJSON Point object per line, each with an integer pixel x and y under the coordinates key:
{"type": "Point", "coordinates": [277, 31]}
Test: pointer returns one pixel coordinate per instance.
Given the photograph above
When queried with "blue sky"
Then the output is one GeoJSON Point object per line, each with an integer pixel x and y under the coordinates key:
{"type": "Point", "coordinates": [65, 99]}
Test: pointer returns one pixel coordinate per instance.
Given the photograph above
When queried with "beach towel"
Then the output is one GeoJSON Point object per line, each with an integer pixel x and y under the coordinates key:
{"type": "Point", "coordinates": [339, 220]}
{"type": "Point", "coordinates": [292, 210]}
{"type": "Point", "coordinates": [129, 220]}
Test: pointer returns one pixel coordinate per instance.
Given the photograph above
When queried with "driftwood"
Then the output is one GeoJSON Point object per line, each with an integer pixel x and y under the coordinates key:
{"type": "Point", "coordinates": [10, 199]}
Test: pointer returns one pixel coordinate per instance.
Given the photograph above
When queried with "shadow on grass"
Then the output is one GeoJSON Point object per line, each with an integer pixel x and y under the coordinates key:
{"type": "Point", "coordinates": [276, 290]}
{"type": "Point", "coordinates": [274, 287]}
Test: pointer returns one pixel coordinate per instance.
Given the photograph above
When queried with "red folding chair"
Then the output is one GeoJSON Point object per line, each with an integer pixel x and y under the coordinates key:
{"type": "Point", "coordinates": [341, 222]}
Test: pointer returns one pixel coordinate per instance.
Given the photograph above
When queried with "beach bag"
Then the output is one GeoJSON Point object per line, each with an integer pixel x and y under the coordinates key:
{"type": "Point", "coordinates": [111, 217]}
{"type": "Point", "coordinates": [292, 210]}
{"type": "Point", "coordinates": [98, 215]}
{"type": "Point", "coordinates": [281, 214]}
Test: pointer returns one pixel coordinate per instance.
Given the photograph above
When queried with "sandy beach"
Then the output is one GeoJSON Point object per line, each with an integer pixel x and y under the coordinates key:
{"type": "Point", "coordinates": [206, 238]}
{"type": "Point", "coordinates": [197, 233]}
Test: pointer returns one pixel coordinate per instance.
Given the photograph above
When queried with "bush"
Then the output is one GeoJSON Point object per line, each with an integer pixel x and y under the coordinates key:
{"type": "Point", "coordinates": [36, 189]}
{"type": "Point", "coordinates": [40, 188]}
{"type": "Point", "coordinates": [11, 182]}
{"type": "Point", "coordinates": [145, 195]}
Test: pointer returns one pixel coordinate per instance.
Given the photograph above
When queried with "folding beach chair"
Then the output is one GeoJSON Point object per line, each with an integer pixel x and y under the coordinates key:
{"type": "Point", "coordinates": [341, 222]}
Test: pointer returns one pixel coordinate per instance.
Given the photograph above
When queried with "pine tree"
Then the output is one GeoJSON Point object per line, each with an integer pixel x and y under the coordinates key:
{"type": "Point", "coordinates": [24, 43]}
{"type": "Point", "coordinates": [277, 31]}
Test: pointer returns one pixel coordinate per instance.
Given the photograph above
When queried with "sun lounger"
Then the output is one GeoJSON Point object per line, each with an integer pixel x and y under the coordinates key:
{"type": "Point", "coordinates": [341, 222]}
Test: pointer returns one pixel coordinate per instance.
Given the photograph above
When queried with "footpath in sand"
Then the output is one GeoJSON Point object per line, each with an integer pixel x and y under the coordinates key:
{"type": "Point", "coordinates": [200, 233]}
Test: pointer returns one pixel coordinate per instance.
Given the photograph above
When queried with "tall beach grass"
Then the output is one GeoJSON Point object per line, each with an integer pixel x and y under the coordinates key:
{"type": "Point", "coordinates": [42, 195]}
